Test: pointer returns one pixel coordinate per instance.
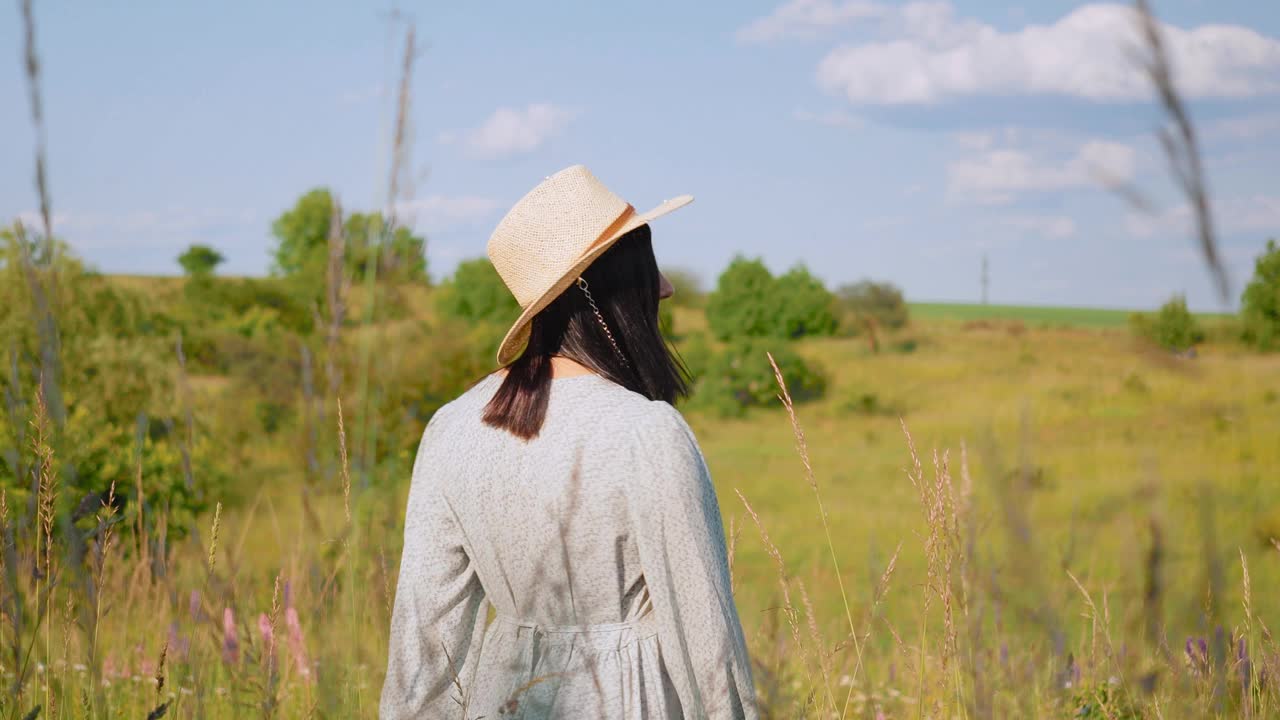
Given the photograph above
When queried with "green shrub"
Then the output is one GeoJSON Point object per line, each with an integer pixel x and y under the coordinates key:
{"type": "Point", "coordinates": [867, 302]}
{"type": "Point", "coordinates": [112, 401]}
{"type": "Point", "coordinates": [740, 305]}
{"type": "Point", "coordinates": [749, 302]}
{"type": "Point", "coordinates": [476, 294]}
{"type": "Point", "coordinates": [200, 260]}
{"type": "Point", "coordinates": [804, 305]}
{"type": "Point", "coordinates": [1260, 304]}
{"type": "Point", "coordinates": [1173, 328]}
{"type": "Point", "coordinates": [740, 376]}
{"type": "Point", "coordinates": [868, 403]}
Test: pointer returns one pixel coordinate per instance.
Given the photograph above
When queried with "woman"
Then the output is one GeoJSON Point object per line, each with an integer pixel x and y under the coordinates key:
{"type": "Point", "coordinates": [568, 496]}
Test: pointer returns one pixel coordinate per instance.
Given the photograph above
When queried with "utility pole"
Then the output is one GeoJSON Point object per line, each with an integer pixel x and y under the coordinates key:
{"type": "Point", "coordinates": [986, 278]}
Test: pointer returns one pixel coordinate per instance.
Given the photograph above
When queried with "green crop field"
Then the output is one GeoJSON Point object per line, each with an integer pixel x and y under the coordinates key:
{"type": "Point", "coordinates": [1031, 315]}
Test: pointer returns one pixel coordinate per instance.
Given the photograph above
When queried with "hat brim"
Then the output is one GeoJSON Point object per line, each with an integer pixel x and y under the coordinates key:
{"type": "Point", "coordinates": [518, 336]}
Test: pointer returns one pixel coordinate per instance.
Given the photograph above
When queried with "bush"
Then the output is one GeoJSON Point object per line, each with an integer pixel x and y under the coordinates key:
{"type": "Point", "coordinates": [476, 294]}
{"type": "Point", "coordinates": [749, 302]}
{"type": "Point", "coordinates": [740, 377]}
{"type": "Point", "coordinates": [200, 260]}
{"type": "Point", "coordinates": [868, 403]}
{"type": "Point", "coordinates": [868, 302]}
{"type": "Point", "coordinates": [740, 305]}
{"type": "Point", "coordinates": [301, 251]}
{"type": "Point", "coordinates": [804, 305]}
{"type": "Point", "coordinates": [1173, 328]}
{"type": "Point", "coordinates": [1260, 304]}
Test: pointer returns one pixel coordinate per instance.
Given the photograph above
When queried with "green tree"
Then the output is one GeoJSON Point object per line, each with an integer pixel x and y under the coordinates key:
{"type": "Point", "coordinates": [401, 254]}
{"type": "Point", "coordinates": [476, 294]}
{"type": "Point", "coordinates": [302, 242]}
{"type": "Point", "coordinates": [1260, 304]}
{"type": "Point", "coordinates": [302, 235]}
{"type": "Point", "coordinates": [867, 303]}
{"type": "Point", "coordinates": [804, 305]}
{"type": "Point", "coordinates": [200, 260]}
{"type": "Point", "coordinates": [750, 302]}
{"type": "Point", "coordinates": [742, 304]}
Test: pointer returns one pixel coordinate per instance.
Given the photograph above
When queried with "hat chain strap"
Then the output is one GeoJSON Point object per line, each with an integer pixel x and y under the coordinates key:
{"type": "Point", "coordinates": [582, 283]}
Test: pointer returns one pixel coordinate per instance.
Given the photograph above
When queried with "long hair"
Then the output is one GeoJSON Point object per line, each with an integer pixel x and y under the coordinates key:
{"type": "Point", "coordinates": [632, 352]}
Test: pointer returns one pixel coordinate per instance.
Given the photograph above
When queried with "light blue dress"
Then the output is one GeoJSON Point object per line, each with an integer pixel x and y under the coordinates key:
{"type": "Point", "coordinates": [599, 547]}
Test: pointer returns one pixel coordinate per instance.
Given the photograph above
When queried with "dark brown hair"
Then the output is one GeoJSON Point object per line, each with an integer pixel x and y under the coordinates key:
{"type": "Point", "coordinates": [624, 284]}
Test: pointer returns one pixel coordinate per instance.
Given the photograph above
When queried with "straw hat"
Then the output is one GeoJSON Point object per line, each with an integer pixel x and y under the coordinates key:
{"type": "Point", "coordinates": [550, 237]}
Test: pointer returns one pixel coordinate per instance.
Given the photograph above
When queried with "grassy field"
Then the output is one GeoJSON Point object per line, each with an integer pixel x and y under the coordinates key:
{"type": "Point", "coordinates": [1096, 505]}
{"type": "Point", "coordinates": [1034, 315]}
{"type": "Point", "coordinates": [1112, 437]}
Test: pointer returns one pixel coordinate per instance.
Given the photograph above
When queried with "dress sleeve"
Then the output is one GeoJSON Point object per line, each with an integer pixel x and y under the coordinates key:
{"type": "Point", "coordinates": [677, 524]}
{"type": "Point", "coordinates": [438, 620]}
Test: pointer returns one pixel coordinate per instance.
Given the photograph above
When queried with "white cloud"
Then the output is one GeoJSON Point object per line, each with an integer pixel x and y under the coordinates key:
{"type": "Point", "coordinates": [806, 18]}
{"type": "Point", "coordinates": [975, 140]}
{"type": "Point", "coordinates": [995, 176]}
{"type": "Point", "coordinates": [1256, 214]}
{"type": "Point", "coordinates": [512, 131]}
{"type": "Point", "coordinates": [148, 227]}
{"type": "Point", "coordinates": [831, 118]}
{"type": "Point", "coordinates": [931, 56]}
{"type": "Point", "coordinates": [1245, 127]}
{"type": "Point", "coordinates": [443, 212]}
{"type": "Point", "coordinates": [1054, 227]}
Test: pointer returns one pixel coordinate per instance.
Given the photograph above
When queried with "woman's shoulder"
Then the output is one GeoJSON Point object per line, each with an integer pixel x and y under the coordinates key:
{"type": "Point", "coordinates": [468, 402]}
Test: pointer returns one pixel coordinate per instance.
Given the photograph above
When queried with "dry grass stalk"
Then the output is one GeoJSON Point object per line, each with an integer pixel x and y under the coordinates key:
{"type": "Point", "coordinates": [734, 532]}
{"type": "Point", "coordinates": [47, 491]}
{"type": "Point", "coordinates": [335, 294]}
{"type": "Point", "coordinates": [184, 395]}
{"type": "Point", "coordinates": [32, 67]}
{"type": "Point", "coordinates": [1181, 147]}
{"type": "Point", "coordinates": [213, 538]}
{"type": "Point", "coordinates": [943, 550]}
{"type": "Point", "coordinates": [105, 516]}
{"type": "Point", "coordinates": [164, 653]}
{"type": "Point", "coordinates": [788, 608]}
{"type": "Point", "coordinates": [1248, 595]}
{"type": "Point", "coordinates": [344, 466]}
{"type": "Point", "coordinates": [878, 595]}
{"type": "Point", "coordinates": [803, 449]}
{"type": "Point", "coordinates": [139, 519]}
{"type": "Point", "coordinates": [819, 645]}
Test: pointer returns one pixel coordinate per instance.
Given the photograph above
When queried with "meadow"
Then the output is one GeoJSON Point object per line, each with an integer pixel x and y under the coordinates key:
{"type": "Point", "coordinates": [1078, 524]}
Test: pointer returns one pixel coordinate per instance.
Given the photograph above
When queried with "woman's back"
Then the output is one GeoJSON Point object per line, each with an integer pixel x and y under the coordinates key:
{"type": "Point", "coordinates": [599, 546]}
{"type": "Point", "coordinates": [548, 518]}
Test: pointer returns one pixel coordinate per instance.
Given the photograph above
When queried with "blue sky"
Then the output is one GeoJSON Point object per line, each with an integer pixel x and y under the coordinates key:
{"type": "Point", "coordinates": [897, 141]}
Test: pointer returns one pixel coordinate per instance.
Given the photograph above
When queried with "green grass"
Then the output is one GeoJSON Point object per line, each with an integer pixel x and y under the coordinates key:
{"type": "Point", "coordinates": [1032, 314]}
{"type": "Point", "coordinates": [1112, 438]}
{"type": "Point", "coordinates": [1117, 435]}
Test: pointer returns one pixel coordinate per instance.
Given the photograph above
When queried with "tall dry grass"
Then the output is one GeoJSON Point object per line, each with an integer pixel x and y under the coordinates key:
{"type": "Point", "coordinates": [960, 662]}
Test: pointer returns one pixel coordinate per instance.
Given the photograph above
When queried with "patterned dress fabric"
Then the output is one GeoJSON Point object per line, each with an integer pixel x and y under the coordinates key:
{"type": "Point", "coordinates": [581, 574]}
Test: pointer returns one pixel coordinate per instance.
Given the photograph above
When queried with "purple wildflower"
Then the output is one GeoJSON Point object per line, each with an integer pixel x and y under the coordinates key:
{"type": "Point", "coordinates": [230, 642]}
